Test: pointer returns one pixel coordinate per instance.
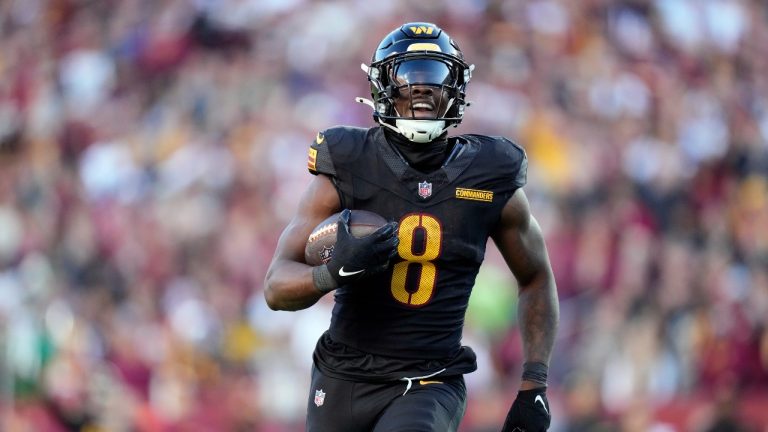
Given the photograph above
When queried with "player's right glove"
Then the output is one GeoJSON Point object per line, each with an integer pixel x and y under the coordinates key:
{"type": "Point", "coordinates": [529, 412]}
{"type": "Point", "coordinates": [356, 258]}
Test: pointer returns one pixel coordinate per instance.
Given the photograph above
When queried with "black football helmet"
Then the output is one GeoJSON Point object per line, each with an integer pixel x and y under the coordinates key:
{"type": "Point", "coordinates": [418, 54]}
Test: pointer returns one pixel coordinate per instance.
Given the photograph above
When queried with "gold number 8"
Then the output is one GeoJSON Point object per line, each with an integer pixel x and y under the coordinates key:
{"type": "Point", "coordinates": [428, 271]}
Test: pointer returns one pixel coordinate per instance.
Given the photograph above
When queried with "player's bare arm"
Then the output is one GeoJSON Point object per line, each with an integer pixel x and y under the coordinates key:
{"type": "Point", "coordinates": [520, 241]}
{"type": "Point", "coordinates": [289, 284]}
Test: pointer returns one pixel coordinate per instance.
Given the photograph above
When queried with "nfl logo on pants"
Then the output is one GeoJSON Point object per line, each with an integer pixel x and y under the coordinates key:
{"type": "Point", "coordinates": [319, 397]}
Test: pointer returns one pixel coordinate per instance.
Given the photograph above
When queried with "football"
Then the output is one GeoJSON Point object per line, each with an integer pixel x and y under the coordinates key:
{"type": "Point", "coordinates": [319, 248]}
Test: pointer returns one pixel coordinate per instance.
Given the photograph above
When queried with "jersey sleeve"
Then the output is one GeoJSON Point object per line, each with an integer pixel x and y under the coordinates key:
{"type": "Point", "coordinates": [516, 163]}
{"type": "Point", "coordinates": [319, 159]}
{"type": "Point", "coordinates": [521, 178]}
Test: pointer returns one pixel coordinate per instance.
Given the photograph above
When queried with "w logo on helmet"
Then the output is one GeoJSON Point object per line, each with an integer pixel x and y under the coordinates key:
{"type": "Point", "coordinates": [417, 30]}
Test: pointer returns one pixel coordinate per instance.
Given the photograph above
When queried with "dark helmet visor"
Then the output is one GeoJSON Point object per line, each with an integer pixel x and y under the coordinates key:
{"type": "Point", "coordinates": [423, 71]}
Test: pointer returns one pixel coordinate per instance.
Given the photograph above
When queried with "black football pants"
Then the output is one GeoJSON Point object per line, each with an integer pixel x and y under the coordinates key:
{"type": "Point", "coordinates": [429, 405]}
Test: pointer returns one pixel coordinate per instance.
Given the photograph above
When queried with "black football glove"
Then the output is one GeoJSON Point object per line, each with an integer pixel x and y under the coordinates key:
{"type": "Point", "coordinates": [529, 412]}
{"type": "Point", "coordinates": [356, 258]}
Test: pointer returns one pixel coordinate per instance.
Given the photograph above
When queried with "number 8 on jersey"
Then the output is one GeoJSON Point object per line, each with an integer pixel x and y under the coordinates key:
{"type": "Point", "coordinates": [418, 257]}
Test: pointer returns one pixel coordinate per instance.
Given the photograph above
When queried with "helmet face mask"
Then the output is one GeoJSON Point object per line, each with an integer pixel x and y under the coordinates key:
{"type": "Point", "coordinates": [418, 79]}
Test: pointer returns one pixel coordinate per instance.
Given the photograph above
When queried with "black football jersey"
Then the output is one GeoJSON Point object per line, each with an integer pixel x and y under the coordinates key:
{"type": "Point", "coordinates": [416, 308]}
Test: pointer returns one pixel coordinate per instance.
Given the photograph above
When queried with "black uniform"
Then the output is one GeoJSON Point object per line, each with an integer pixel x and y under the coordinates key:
{"type": "Point", "coordinates": [403, 327]}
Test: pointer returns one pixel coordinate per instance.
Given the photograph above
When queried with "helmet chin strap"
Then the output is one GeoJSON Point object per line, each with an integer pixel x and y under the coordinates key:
{"type": "Point", "coordinates": [418, 131]}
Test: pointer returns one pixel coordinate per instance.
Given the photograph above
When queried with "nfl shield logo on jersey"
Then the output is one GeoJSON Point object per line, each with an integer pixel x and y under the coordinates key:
{"type": "Point", "coordinates": [425, 189]}
{"type": "Point", "coordinates": [319, 397]}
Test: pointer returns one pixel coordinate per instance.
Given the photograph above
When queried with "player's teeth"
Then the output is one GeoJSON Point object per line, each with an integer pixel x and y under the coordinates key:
{"type": "Point", "coordinates": [422, 105]}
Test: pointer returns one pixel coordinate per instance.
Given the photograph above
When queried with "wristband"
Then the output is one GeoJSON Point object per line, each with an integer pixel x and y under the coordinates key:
{"type": "Point", "coordinates": [323, 280]}
{"type": "Point", "coordinates": [536, 372]}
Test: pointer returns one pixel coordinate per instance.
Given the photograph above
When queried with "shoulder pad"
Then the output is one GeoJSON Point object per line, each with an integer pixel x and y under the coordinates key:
{"type": "Point", "coordinates": [337, 144]}
{"type": "Point", "coordinates": [519, 160]}
{"type": "Point", "coordinates": [319, 157]}
{"type": "Point", "coordinates": [505, 157]}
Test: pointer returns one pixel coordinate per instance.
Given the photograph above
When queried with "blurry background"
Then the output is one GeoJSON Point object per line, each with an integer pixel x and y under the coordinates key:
{"type": "Point", "coordinates": [151, 152]}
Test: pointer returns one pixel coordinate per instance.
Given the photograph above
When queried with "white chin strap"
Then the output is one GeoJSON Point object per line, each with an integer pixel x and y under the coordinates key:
{"type": "Point", "coordinates": [419, 131]}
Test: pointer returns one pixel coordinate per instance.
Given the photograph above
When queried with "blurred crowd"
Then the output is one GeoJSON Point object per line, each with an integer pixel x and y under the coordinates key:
{"type": "Point", "coordinates": [152, 151]}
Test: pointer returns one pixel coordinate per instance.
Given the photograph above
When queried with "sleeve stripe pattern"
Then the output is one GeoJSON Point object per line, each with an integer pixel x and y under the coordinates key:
{"type": "Point", "coordinates": [312, 160]}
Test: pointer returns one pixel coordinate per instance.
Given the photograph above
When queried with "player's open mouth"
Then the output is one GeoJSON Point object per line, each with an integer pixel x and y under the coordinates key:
{"type": "Point", "coordinates": [423, 106]}
{"type": "Point", "coordinates": [421, 109]}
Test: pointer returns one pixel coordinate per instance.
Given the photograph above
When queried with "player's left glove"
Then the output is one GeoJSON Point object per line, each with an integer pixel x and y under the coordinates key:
{"type": "Point", "coordinates": [529, 412]}
{"type": "Point", "coordinates": [355, 258]}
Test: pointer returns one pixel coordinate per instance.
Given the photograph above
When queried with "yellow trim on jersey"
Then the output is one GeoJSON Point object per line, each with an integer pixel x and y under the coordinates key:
{"type": "Point", "coordinates": [312, 159]}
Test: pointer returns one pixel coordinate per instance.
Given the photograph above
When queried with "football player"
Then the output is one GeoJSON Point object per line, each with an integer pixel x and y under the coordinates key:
{"type": "Point", "coordinates": [392, 359]}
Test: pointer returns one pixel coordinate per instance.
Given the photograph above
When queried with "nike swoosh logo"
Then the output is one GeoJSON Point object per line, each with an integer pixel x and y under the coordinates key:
{"type": "Point", "coordinates": [320, 138]}
{"type": "Point", "coordinates": [422, 382]}
{"type": "Point", "coordinates": [540, 399]}
{"type": "Point", "coordinates": [343, 273]}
